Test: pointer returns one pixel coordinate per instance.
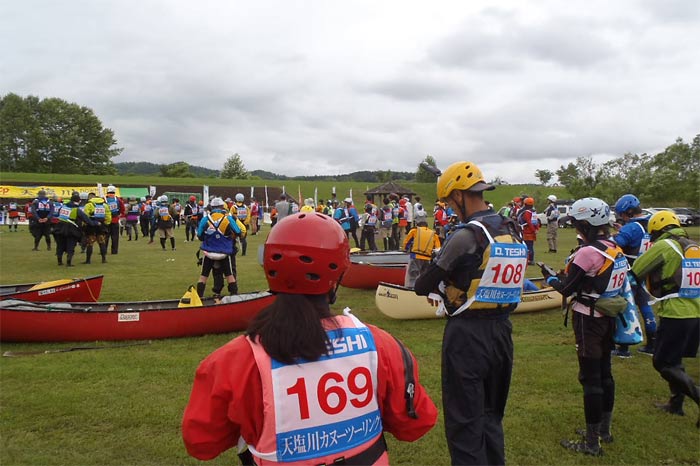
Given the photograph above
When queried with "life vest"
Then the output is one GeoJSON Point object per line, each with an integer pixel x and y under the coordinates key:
{"type": "Point", "coordinates": [387, 216]}
{"type": "Point", "coordinates": [320, 411]}
{"type": "Point", "coordinates": [164, 213]}
{"type": "Point", "coordinates": [534, 221]}
{"type": "Point", "coordinates": [134, 209]}
{"type": "Point", "coordinates": [13, 210]}
{"type": "Point", "coordinates": [644, 245]}
{"type": "Point", "coordinates": [372, 218]}
{"type": "Point", "coordinates": [610, 278]}
{"type": "Point", "coordinates": [396, 213]}
{"type": "Point", "coordinates": [241, 212]}
{"type": "Point", "coordinates": [685, 280]}
{"type": "Point", "coordinates": [99, 213]}
{"type": "Point", "coordinates": [67, 213]}
{"type": "Point", "coordinates": [216, 237]}
{"type": "Point", "coordinates": [423, 242]}
{"type": "Point", "coordinates": [57, 208]}
{"type": "Point", "coordinates": [498, 282]}
{"type": "Point", "coordinates": [113, 204]}
{"type": "Point", "coordinates": [147, 210]}
{"type": "Point", "coordinates": [43, 208]}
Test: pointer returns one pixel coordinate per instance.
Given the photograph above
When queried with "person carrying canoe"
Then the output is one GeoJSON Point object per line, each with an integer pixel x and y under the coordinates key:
{"type": "Point", "coordinates": [479, 274]}
{"type": "Point", "coordinates": [218, 232]}
{"type": "Point", "coordinates": [304, 386]}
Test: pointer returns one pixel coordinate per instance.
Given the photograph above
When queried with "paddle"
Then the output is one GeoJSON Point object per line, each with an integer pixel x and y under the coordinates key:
{"type": "Point", "coordinates": [34, 306]}
{"type": "Point", "coordinates": [14, 354]}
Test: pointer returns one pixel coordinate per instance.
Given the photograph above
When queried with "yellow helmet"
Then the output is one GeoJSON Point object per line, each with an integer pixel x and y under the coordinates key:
{"type": "Point", "coordinates": [462, 176]}
{"type": "Point", "coordinates": [661, 220]}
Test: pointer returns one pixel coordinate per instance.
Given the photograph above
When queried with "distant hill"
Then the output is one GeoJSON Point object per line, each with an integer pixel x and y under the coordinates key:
{"type": "Point", "coordinates": [148, 168]}
{"type": "Point", "coordinates": [154, 169]}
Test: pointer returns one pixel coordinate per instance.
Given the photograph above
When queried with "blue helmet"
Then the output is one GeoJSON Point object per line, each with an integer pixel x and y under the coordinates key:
{"type": "Point", "coordinates": [625, 203]}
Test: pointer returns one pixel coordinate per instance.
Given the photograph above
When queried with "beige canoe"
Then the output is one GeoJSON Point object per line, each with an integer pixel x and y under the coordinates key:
{"type": "Point", "coordinates": [399, 302]}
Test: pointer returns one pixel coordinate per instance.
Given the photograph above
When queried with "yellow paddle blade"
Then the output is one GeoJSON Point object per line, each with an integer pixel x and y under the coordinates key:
{"type": "Point", "coordinates": [190, 298]}
{"type": "Point", "coordinates": [42, 285]}
{"type": "Point", "coordinates": [353, 250]}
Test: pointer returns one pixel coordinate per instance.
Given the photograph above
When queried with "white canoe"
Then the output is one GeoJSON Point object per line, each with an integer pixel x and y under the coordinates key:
{"type": "Point", "coordinates": [399, 302]}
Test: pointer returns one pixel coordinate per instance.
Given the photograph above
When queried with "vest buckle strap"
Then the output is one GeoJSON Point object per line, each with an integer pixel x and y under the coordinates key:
{"type": "Point", "coordinates": [369, 456]}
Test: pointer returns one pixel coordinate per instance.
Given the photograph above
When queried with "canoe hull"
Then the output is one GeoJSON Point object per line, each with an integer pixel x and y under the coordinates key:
{"type": "Point", "coordinates": [402, 303]}
{"type": "Point", "coordinates": [77, 290]}
{"type": "Point", "coordinates": [368, 276]}
{"type": "Point", "coordinates": [128, 321]}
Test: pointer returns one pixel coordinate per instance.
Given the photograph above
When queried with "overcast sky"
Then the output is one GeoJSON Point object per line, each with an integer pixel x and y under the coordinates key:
{"type": "Point", "coordinates": [332, 87]}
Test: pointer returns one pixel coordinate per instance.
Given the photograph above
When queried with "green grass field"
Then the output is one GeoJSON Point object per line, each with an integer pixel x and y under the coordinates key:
{"type": "Point", "coordinates": [124, 406]}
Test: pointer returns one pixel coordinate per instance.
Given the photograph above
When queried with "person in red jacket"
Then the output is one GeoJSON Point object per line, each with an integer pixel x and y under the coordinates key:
{"type": "Point", "coordinates": [304, 386]}
{"type": "Point", "coordinates": [530, 224]}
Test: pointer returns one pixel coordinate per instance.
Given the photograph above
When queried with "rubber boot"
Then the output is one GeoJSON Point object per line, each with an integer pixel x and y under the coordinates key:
{"type": "Point", "coordinates": [386, 244]}
{"type": "Point", "coordinates": [48, 244]}
{"type": "Point", "coordinates": [648, 349]}
{"type": "Point", "coordinates": [244, 247]}
{"type": "Point", "coordinates": [233, 288]}
{"type": "Point", "coordinates": [88, 255]}
{"type": "Point", "coordinates": [60, 260]}
{"type": "Point", "coordinates": [674, 405]}
{"type": "Point", "coordinates": [172, 243]}
{"type": "Point", "coordinates": [162, 243]}
{"type": "Point", "coordinates": [69, 260]}
{"type": "Point", "coordinates": [200, 289]}
{"type": "Point", "coordinates": [104, 258]}
{"type": "Point", "coordinates": [589, 444]}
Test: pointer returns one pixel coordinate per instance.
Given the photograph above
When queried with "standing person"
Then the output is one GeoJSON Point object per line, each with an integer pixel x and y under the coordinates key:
{"type": "Point", "coordinates": [597, 269]}
{"type": "Point", "coordinates": [116, 208]}
{"type": "Point", "coordinates": [440, 219]}
{"type": "Point", "coordinates": [242, 213]}
{"type": "Point", "coordinates": [98, 229]}
{"type": "Point", "coordinates": [477, 347]}
{"type": "Point", "coordinates": [12, 215]}
{"type": "Point", "coordinates": [634, 240]}
{"type": "Point", "coordinates": [133, 210]}
{"type": "Point", "coordinates": [308, 206]}
{"type": "Point", "coordinates": [146, 217]}
{"type": "Point", "coordinates": [283, 208]}
{"type": "Point", "coordinates": [348, 219]}
{"type": "Point", "coordinates": [368, 223]}
{"type": "Point", "coordinates": [164, 216]}
{"type": "Point", "coordinates": [667, 268]}
{"type": "Point", "coordinates": [41, 213]}
{"type": "Point", "coordinates": [552, 215]}
{"type": "Point", "coordinates": [177, 212]}
{"type": "Point", "coordinates": [408, 207]}
{"type": "Point", "coordinates": [417, 206]}
{"type": "Point", "coordinates": [293, 371]}
{"type": "Point", "coordinates": [217, 232]}
{"type": "Point", "coordinates": [397, 213]}
{"type": "Point", "coordinates": [527, 219]}
{"type": "Point", "coordinates": [69, 229]}
{"type": "Point", "coordinates": [420, 243]}
{"type": "Point", "coordinates": [254, 216]}
{"type": "Point", "coordinates": [385, 223]}
{"type": "Point", "coordinates": [191, 219]}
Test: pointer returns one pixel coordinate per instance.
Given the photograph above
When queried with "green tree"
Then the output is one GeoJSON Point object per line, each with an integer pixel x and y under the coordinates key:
{"type": "Point", "coordinates": [176, 170]}
{"type": "Point", "coordinates": [580, 178]}
{"type": "Point", "coordinates": [53, 136]}
{"type": "Point", "coordinates": [545, 176]}
{"type": "Point", "coordinates": [423, 175]}
{"type": "Point", "coordinates": [674, 174]}
{"type": "Point", "coordinates": [234, 168]}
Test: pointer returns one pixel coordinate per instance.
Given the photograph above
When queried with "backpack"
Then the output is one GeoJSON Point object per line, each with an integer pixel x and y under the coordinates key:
{"type": "Point", "coordinates": [603, 292]}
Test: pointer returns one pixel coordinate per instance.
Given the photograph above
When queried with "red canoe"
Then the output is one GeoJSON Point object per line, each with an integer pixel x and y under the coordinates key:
{"type": "Point", "coordinates": [57, 291]}
{"type": "Point", "coordinates": [368, 276]}
{"type": "Point", "coordinates": [146, 320]}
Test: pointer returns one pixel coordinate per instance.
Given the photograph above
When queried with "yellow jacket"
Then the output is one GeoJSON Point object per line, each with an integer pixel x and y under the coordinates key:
{"type": "Point", "coordinates": [422, 242]}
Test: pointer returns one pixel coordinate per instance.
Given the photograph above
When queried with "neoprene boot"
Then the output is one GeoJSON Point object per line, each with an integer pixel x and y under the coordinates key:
{"type": "Point", "coordinates": [88, 255]}
{"type": "Point", "coordinates": [386, 244]}
{"type": "Point", "coordinates": [69, 260]}
{"type": "Point", "coordinates": [172, 243]}
{"type": "Point", "coordinates": [649, 347]}
{"type": "Point", "coordinates": [674, 405]}
{"type": "Point", "coordinates": [589, 444]}
{"type": "Point", "coordinates": [200, 289]}
{"type": "Point", "coordinates": [48, 245]}
{"type": "Point", "coordinates": [104, 258]}
{"type": "Point", "coordinates": [162, 243]}
{"type": "Point", "coordinates": [60, 260]}
{"type": "Point", "coordinates": [233, 288]}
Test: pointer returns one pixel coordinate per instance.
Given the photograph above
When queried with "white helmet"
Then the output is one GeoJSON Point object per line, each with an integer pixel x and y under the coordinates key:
{"type": "Point", "coordinates": [348, 200]}
{"type": "Point", "coordinates": [216, 202]}
{"type": "Point", "coordinates": [83, 195]}
{"type": "Point", "coordinates": [111, 189]}
{"type": "Point", "coordinates": [163, 198]}
{"type": "Point", "coordinates": [552, 198]}
{"type": "Point", "coordinates": [240, 197]}
{"type": "Point", "coordinates": [143, 199]}
{"type": "Point", "coordinates": [592, 210]}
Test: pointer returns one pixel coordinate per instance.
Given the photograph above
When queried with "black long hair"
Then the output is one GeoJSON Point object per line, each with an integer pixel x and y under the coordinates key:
{"type": "Point", "coordinates": [590, 232]}
{"type": "Point", "coordinates": [291, 328]}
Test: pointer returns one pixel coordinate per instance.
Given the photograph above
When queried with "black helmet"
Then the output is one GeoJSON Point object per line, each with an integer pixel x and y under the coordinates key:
{"type": "Point", "coordinates": [75, 197]}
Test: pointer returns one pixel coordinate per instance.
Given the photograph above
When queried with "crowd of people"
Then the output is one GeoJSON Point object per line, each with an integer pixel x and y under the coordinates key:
{"type": "Point", "coordinates": [301, 378]}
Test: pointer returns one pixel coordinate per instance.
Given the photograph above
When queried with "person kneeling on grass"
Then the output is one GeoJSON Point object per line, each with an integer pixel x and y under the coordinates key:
{"type": "Point", "coordinates": [301, 379]}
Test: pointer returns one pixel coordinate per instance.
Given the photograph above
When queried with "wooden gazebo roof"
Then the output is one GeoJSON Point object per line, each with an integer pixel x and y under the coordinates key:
{"type": "Point", "coordinates": [388, 188]}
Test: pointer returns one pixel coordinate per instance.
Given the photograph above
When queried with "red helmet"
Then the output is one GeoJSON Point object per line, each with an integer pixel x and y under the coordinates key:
{"type": "Point", "coordinates": [192, 198]}
{"type": "Point", "coordinates": [305, 253]}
